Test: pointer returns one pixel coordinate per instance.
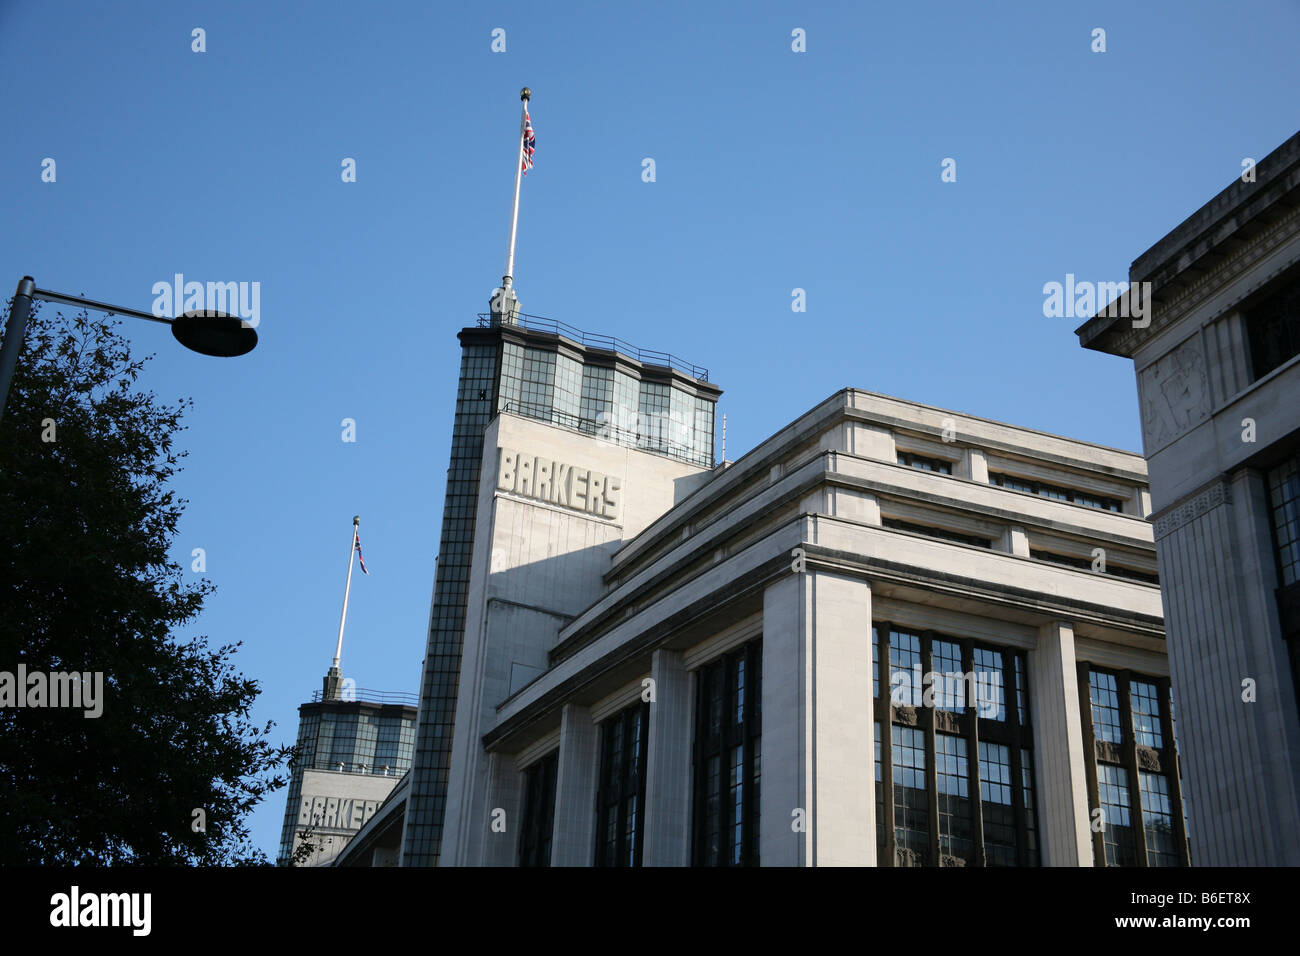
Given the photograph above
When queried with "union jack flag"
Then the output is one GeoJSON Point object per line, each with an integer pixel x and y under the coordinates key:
{"type": "Point", "coordinates": [530, 143]}
{"type": "Point", "coordinates": [357, 541]}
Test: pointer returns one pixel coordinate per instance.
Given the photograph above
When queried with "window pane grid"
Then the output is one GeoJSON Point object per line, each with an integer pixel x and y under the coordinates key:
{"type": "Point", "coordinates": [911, 813]}
{"type": "Point", "coordinates": [1001, 847]}
{"type": "Point", "coordinates": [1117, 832]}
{"type": "Point", "coordinates": [727, 763]}
{"type": "Point", "coordinates": [1055, 492]}
{"type": "Point", "coordinates": [952, 776]}
{"type": "Point", "coordinates": [1284, 502]}
{"type": "Point", "coordinates": [1105, 706]}
{"type": "Point", "coordinates": [1145, 701]}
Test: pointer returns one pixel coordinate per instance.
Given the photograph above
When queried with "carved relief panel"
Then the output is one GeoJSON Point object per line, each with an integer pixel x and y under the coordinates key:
{"type": "Point", "coordinates": [1175, 394]}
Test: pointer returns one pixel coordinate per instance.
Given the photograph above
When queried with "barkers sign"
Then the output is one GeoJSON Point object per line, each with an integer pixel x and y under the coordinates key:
{"type": "Point", "coordinates": [336, 813]}
{"type": "Point", "coordinates": [554, 482]}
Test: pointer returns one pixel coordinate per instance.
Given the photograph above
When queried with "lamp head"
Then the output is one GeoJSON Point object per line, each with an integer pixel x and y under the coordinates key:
{"type": "Point", "coordinates": [214, 333]}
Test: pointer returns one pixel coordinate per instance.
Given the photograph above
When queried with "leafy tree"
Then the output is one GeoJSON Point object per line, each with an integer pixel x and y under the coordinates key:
{"type": "Point", "coordinates": [307, 845]}
{"type": "Point", "coordinates": [86, 585]}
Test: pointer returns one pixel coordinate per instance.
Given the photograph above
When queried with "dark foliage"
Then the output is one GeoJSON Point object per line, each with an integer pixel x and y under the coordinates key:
{"type": "Point", "coordinates": [86, 585]}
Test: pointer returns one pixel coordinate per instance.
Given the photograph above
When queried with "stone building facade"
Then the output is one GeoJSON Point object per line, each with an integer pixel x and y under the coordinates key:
{"type": "Point", "coordinates": [1218, 373]}
{"type": "Point", "coordinates": [890, 634]}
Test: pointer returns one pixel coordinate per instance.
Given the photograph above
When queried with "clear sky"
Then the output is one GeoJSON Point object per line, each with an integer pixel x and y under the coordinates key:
{"type": "Point", "coordinates": [774, 171]}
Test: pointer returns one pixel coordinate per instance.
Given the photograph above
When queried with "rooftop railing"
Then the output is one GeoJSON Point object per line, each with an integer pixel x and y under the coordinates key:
{"type": "Point", "coordinates": [389, 768]}
{"type": "Point", "coordinates": [349, 695]}
{"type": "Point", "coordinates": [536, 323]}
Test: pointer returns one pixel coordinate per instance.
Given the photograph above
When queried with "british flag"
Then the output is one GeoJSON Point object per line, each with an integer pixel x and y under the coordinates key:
{"type": "Point", "coordinates": [357, 542]}
{"type": "Point", "coordinates": [530, 143]}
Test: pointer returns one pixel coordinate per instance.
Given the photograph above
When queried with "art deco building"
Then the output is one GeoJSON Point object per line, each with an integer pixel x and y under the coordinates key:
{"type": "Point", "coordinates": [539, 370]}
{"type": "Point", "coordinates": [1218, 374]}
{"type": "Point", "coordinates": [354, 746]}
{"type": "Point", "coordinates": [638, 658]}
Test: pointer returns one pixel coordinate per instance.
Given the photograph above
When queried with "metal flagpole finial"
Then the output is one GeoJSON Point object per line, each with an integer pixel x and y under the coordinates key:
{"type": "Point", "coordinates": [525, 94]}
{"type": "Point", "coordinates": [356, 520]}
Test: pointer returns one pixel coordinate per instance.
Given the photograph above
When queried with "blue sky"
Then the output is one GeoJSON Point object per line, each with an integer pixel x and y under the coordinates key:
{"type": "Point", "coordinates": [775, 170]}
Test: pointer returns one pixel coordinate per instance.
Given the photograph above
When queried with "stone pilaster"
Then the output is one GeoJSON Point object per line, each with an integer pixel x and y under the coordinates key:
{"type": "Point", "coordinates": [817, 746]}
{"type": "Point", "coordinates": [667, 831]}
{"type": "Point", "coordinates": [575, 789]}
{"type": "Point", "coordinates": [1060, 772]}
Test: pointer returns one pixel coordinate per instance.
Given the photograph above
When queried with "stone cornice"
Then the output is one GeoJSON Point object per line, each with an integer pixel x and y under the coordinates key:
{"type": "Point", "coordinates": [1208, 250]}
{"type": "Point", "coordinates": [1179, 297]}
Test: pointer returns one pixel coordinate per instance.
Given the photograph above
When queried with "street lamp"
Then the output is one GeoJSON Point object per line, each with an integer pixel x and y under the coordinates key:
{"type": "Point", "coordinates": [209, 333]}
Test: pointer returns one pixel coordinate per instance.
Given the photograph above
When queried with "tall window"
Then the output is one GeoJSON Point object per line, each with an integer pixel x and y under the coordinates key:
{"type": "Point", "coordinates": [1132, 765]}
{"type": "Point", "coordinates": [1284, 504]}
{"type": "Point", "coordinates": [539, 811]}
{"type": "Point", "coordinates": [620, 800]}
{"type": "Point", "coordinates": [1105, 706]}
{"type": "Point", "coordinates": [997, 807]}
{"type": "Point", "coordinates": [1273, 328]}
{"type": "Point", "coordinates": [652, 433]}
{"type": "Point", "coordinates": [911, 808]}
{"type": "Point", "coordinates": [954, 765]}
{"type": "Point", "coordinates": [953, 776]}
{"type": "Point", "coordinates": [880, 793]}
{"type": "Point", "coordinates": [728, 729]}
{"type": "Point", "coordinates": [1117, 831]}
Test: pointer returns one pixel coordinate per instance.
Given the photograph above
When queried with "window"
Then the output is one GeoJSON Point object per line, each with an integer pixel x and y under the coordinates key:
{"type": "Point", "coordinates": [947, 663]}
{"type": "Point", "coordinates": [1284, 503]}
{"type": "Point", "coordinates": [875, 668]}
{"type": "Point", "coordinates": [911, 813]}
{"type": "Point", "coordinates": [539, 811]}
{"type": "Point", "coordinates": [1273, 328]}
{"type": "Point", "coordinates": [1086, 564]}
{"type": "Point", "coordinates": [1027, 783]}
{"type": "Point", "coordinates": [620, 800]}
{"type": "Point", "coordinates": [931, 532]}
{"type": "Point", "coordinates": [880, 795]}
{"type": "Point", "coordinates": [652, 433]}
{"type": "Point", "coordinates": [728, 729]}
{"type": "Point", "coordinates": [955, 754]}
{"type": "Point", "coordinates": [598, 400]}
{"type": "Point", "coordinates": [988, 682]}
{"type": "Point", "coordinates": [953, 778]}
{"type": "Point", "coordinates": [997, 809]}
{"type": "Point", "coordinates": [1284, 507]}
{"type": "Point", "coordinates": [1146, 713]}
{"type": "Point", "coordinates": [1056, 492]}
{"type": "Point", "coordinates": [1133, 774]}
{"type": "Point", "coordinates": [1105, 706]}
{"type": "Point", "coordinates": [905, 668]}
{"type": "Point", "coordinates": [1157, 820]}
{"type": "Point", "coordinates": [1117, 824]}
{"type": "Point", "coordinates": [925, 464]}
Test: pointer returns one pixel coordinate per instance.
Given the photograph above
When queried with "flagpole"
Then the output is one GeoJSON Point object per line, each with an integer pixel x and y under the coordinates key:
{"type": "Point", "coordinates": [507, 280]}
{"type": "Point", "coordinates": [352, 547]}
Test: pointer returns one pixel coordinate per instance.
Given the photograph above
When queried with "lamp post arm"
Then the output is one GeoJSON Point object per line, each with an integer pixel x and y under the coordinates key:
{"type": "Point", "coordinates": [17, 326]}
{"type": "Point", "coordinates": [49, 296]}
